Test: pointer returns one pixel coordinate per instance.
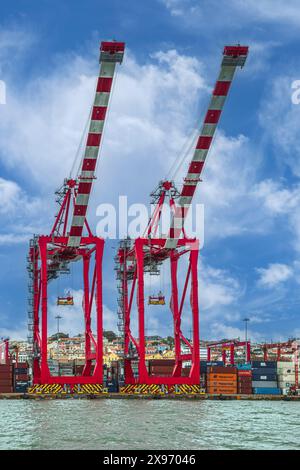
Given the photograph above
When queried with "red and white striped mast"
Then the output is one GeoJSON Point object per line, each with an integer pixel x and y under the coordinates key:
{"type": "Point", "coordinates": [110, 54]}
{"type": "Point", "coordinates": [233, 57]}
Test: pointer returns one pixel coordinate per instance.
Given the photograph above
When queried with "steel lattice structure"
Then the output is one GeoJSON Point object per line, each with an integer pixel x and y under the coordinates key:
{"type": "Point", "coordinates": [50, 255]}
{"type": "Point", "coordinates": [146, 254]}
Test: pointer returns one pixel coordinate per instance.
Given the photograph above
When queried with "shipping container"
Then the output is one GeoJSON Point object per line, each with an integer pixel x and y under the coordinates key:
{"type": "Point", "coordinates": [20, 370]}
{"type": "Point", "coordinates": [264, 371]}
{"type": "Point", "coordinates": [264, 377]}
{"type": "Point", "coordinates": [21, 365]}
{"type": "Point", "coordinates": [264, 384]}
{"type": "Point", "coordinates": [222, 384]}
{"type": "Point", "coordinates": [221, 370]}
{"type": "Point", "coordinates": [267, 391]}
{"type": "Point", "coordinates": [5, 368]}
{"type": "Point", "coordinates": [112, 386]}
{"type": "Point", "coordinates": [244, 378]}
{"type": "Point", "coordinates": [243, 367]}
{"type": "Point", "coordinates": [8, 389]}
{"type": "Point", "coordinates": [205, 364]}
{"type": "Point", "coordinates": [5, 377]}
{"type": "Point", "coordinates": [244, 373]}
{"type": "Point", "coordinates": [221, 391]}
{"type": "Point", "coordinates": [260, 364]}
{"type": "Point", "coordinates": [21, 377]}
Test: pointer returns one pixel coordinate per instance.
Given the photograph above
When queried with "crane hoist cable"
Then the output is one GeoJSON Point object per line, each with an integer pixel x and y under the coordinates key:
{"type": "Point", "coordinates": [183, 154]}
{"type": "Point", "coordinates": [80, 150]}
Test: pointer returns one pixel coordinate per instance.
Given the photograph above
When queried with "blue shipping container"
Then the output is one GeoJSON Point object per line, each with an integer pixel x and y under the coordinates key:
{"type": "Point", "coordinates": [21, 371]}
{"type": "Point", "coordinates": [20, 389]}
{"type": "Point", "coordinates": [263, 370]}
{"type": "Point", "coordinates": [264, 377]}
{"type": "Point", "coordinates": [244, 366]}
{"type": "Point", "coordinates": [260, 364]}
{"type": "Point", "coordinates": [267, 391]}
{"type": "Point", "coordinates": [205, 364]}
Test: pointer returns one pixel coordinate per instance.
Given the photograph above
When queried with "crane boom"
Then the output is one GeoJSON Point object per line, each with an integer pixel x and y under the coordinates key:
{"type": "Point", "coordinates": [110, 54]}
{"type": "Point", "coordinates": [233, 57]}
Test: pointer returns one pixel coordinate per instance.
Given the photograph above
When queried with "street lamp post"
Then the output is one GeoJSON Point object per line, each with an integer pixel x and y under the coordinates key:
{"type": "Point", "coordinates": [58, 317]}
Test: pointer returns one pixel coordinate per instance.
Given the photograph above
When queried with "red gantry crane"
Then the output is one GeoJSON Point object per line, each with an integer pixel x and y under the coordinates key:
{"type": "Point", "coordinates": [230, 345]}
{"type": "Point", "coordinates": [147, 253]}
{"type": "Point", "coordinates": [290, 347]}
{"type": "Point", "coordinates": [280, 348]}
{"type": "Point", "coordinates": [50, 255]}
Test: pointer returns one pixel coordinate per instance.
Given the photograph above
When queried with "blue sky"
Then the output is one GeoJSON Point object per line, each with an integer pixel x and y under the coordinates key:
{"type": "Point", "coordinates": [249, 265]}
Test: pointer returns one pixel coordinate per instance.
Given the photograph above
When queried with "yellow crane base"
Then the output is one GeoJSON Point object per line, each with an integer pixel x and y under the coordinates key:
{"type": "Point", "coordinates": [145, 389]}
{"type": "Point", "coordinates": [78, 389]}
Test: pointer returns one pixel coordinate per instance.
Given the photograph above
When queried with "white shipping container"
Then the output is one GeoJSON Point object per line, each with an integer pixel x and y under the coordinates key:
{"type": "Point", "coordinates": [203, 354]}
{"type": "Point", "coordinates": [286, 377]}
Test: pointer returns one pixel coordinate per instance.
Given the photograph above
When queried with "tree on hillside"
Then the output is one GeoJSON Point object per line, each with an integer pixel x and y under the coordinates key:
{"type": "Point", "coordinates": [109, 335]}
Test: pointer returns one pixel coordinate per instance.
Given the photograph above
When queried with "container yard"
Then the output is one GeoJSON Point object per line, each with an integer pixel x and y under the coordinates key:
{"type": "Point", "coordinates": [258, 379]}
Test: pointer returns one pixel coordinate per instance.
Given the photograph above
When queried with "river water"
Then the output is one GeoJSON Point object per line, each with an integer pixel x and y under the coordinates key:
{"type": "Point", "coordinates": [149, 424]}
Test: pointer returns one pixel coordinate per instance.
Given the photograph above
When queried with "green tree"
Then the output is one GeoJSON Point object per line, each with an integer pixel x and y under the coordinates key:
{"type": "Point", "coordinates": [109, 335]}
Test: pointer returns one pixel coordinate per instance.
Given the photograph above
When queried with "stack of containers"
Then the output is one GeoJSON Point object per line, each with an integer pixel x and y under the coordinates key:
{"type": "Point", "coordinates": [112, 377]}
{"type": "Point", "coordinates": [20, 377]}
{"type": "Point", "coordinates": [264, 378]}
{"type": "Point", "coordinates": [53, 367]}
{"type": "Point", "coordinates": [203, 371]}
{"type": "Point", "coordinates": [286, 375]}
{"type": "Point", "coordinates": [221, 380]}
{"type": "Point", "coordinates": [6, 378]}
{"type": "Point", "coordinates": [244, 376]}
{"type": "Point", "coordinates": [66, 369]}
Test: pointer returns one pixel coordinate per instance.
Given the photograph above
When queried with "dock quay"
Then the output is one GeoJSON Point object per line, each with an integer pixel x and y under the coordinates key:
{"type": "Point", "coordinates": [122, 396]}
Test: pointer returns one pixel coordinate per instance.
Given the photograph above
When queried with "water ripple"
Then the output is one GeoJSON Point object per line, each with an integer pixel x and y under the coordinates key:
{"type": "Point", "coordinates": [141, 424]}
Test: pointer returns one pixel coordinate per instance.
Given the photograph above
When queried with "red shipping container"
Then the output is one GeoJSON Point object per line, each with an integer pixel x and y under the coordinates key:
{"type": "Point", "coordinates": [21, 377]}
{"type": "Point", "coordinates": [245, 373]}
{"type": "Point", "coordinates": [161, 362]}
{"type": "Point", "coordinates": [6, 389]}
{"type": "Point", "coordinates": [246, 380]}
{"type": "Point", "coordinates": [5, 368]}
{"type": "Point", "coordinates": [221, 370]}
{"type": "Point", "coordinates": [8, 375]}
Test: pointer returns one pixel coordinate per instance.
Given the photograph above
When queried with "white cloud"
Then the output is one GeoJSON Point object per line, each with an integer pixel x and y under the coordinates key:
{"type": "Point", "coordinates": [217, 288]}
{"type": "Point", "coordinates": [223, 331]}
{"type": "Point", "coordinates": [14, 42]}
{"type": "Point", "coordinates": [275, 11]}
{"type": "Point", "coordinates": [13, 199]}
{"type": "Point", "coordinates": [9, 195]}
{"type": "Point", "coordinates": [279, 118]}
{"type": "Point", "coordinates": [237, 12]}
{"type": "Point", "coordinates": [17, 334]}
{"type": "Point", "coordinates": [149, 112]}
{"type": "Point", "coordinates": [277, 198]}
{"type": "Point", "coordinates": [280, 200]}
{"type": "Point", "coordinates": [274, 274]}
{"type": "Point", "coordinates": [21, 214]}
